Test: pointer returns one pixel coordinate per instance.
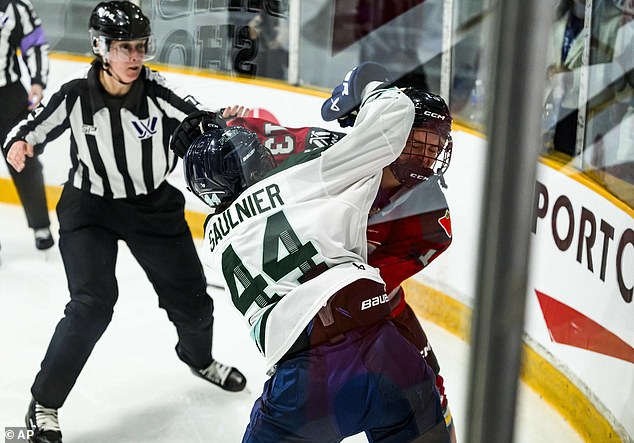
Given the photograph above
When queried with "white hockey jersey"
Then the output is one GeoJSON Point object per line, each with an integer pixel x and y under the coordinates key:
{"type": "Point", "coordinates": [292, 240]}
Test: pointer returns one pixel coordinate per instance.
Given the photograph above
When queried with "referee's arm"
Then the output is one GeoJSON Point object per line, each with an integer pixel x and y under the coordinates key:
{"type": "Point", "coordinates": [30, 135]}
{"type": "Point", "coordinates": [33, 43]}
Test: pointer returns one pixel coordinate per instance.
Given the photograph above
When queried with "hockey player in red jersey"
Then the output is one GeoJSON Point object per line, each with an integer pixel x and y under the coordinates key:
{"type": "Point", "coordinates": [409, 224]}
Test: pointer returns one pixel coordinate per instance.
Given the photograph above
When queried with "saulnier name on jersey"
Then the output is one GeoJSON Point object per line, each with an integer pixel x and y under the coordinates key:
{"type": "Point", "coordinates": [254, 203]}
{"type": "Point", "coordinates": [292, 240]}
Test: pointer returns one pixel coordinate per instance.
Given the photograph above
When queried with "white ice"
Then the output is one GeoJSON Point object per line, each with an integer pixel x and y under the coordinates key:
{"type": "Point", "coordinates": [134, 389]}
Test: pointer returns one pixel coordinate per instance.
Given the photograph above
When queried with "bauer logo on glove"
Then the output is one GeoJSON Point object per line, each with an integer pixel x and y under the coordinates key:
{"type": "Point", "coordinates": [346, 97]}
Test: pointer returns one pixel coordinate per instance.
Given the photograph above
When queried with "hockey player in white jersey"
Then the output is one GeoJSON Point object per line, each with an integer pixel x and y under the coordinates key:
{"type": "Point", "coordinates": [290, 241]}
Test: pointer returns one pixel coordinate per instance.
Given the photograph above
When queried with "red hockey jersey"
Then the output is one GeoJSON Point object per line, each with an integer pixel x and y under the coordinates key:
{"type": "Point", "coordinates": [406, 231]}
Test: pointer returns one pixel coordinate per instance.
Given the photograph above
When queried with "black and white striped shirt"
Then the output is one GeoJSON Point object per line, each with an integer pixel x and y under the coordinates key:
{"type": "Point", "coordinates": [118, 145]}
{"type": "Point", "coordinates": [20, 28]}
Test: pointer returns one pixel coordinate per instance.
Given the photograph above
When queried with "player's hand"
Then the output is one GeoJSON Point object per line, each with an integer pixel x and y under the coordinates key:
{"type": "Point", "coordinates": [194, 125]}
{"type": "Point", "coordinates": [35, 96]}
{"type": "Point", "coordinates": [346, 97]}
{"type": "Point", "coordinates": [234, 111]}
{"type": "Point", "coordinates": [18, 153]}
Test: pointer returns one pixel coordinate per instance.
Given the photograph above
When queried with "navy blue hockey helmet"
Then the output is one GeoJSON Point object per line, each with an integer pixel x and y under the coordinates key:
{"type": "Point", "coordinates": [429, 146]}
{"type": "Point", "coordinates": [223, 162]}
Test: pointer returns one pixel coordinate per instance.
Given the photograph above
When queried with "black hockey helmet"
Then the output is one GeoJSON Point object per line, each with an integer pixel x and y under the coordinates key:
{"type": "Point", "coordinates": [430, 109]}
{"type": "Point", "coordinates": [223, 162]}
{"type": "Point", "coordinates": [429, 146]}
{"type": "Point", "coordinates": [117, 20]}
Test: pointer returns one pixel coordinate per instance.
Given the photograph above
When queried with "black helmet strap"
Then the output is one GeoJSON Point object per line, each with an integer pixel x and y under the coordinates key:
{"type": "Point", "coordinates": [106, 69]}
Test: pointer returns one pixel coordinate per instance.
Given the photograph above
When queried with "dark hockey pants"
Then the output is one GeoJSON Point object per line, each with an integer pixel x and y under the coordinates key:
{"type": "Point", "coordinates": [30, 182]}
{"type": "Point", "coordinates": [155, 230]}
{"type": "Point", "coordinates": [371, 380]}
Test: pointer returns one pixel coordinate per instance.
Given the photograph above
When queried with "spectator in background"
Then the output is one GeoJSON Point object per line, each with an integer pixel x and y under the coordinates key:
{"type": "Point", "coordinates": [565, 58]}
{"type": "Point", "coordinates": [611, 89]}
{"type": "Point", "coordinates": [270, 33]}
{"type": "Point", "coordinates": [266, 29]}
{"type": "Point", "coordinates": [22, 30]}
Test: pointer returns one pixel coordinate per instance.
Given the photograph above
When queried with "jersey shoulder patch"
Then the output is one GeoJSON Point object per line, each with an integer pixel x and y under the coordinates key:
{"type": "Point", "coordinates": [319, 138]}
{"type": "Point", "coordinates": [154, 76]}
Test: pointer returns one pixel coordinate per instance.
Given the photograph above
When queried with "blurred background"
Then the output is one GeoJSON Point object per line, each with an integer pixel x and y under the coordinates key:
{"type": "Point", "coordinates": [435, 44]}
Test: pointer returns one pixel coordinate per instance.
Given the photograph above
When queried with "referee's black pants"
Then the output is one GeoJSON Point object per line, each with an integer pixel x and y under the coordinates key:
{"type": "Point", "coordinates": [155, 230]}
{"type": "Point", "coordinates": [30, 182]}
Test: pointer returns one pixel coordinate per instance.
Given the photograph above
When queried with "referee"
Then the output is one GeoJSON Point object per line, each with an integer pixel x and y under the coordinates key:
{"type": "Point", "coordinates": [121, 116]}
{"type": "Point", "coordinates": [21, 29]}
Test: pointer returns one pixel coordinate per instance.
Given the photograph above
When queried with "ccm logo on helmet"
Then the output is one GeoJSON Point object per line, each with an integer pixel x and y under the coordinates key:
{"type": "Point", "coordinates": [434, 115]}
{"type": "Point", "coordinates": [105, 13]}
{"type": "Point", "coordinates": [374, 301]}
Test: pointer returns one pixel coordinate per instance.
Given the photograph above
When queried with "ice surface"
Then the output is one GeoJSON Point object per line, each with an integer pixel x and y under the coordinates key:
{"type": "Point", "coordinates": [135, 390]}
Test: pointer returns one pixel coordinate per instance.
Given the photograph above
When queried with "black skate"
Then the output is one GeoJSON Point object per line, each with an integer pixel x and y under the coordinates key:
{"type": "Point", "coordinates": [44, 424]}
{"type": "Point", "coordinates": [43, 239]}
{"type": "Point", "coordinates": [227, 377]}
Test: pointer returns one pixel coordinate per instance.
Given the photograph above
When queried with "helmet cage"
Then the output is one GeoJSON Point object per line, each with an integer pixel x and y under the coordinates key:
{"type": "Point", "coordinates": [427, 152]}
{"type": "Point", "coordinates": [428, 148]}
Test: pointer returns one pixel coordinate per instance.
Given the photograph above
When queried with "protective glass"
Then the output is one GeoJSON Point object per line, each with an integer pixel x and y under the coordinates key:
{"type": "Point", "coordinates": [127, 50]}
